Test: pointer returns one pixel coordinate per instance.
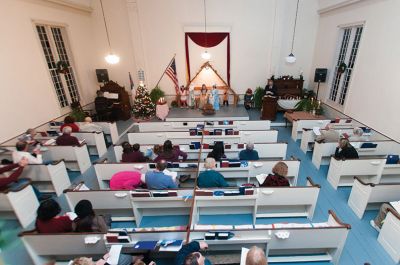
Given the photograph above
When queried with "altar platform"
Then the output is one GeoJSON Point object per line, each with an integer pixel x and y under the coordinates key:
{"type": "Point", "coordinates": [238, 113]}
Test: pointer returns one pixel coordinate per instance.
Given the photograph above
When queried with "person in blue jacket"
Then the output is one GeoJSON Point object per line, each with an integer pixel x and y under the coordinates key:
{"type": "Point", "coordinates": [189, 254]}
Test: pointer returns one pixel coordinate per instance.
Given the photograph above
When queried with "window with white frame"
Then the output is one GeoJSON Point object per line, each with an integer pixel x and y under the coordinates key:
{"type": "Point", "coordinates": [344, 66]}
{"type": "Point", "coordinates": [58, 58]}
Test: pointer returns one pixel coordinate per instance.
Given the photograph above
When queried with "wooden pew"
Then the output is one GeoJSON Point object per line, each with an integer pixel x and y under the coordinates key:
{"type": "Point", "coordinates": [20, 204]}
{"type": "Point", "coordinates": [308, 137]}
{"type": "Point", "coordinates": [299, 125]}
{"type": "Point", "coordinates": [76, 158]}
{"type": "Point", "coordinates": [238, 175]}
{"type": "Point", "coordinates": [323, 151]}
{"type": "Point", "coordinates": [185, 138]}
{"type": "Point", "coordinates": [265, 151]}
{"type": "Point", "coordinates": [341, 172]}
{"type": "Point", "coordinates": [95, 142]}
{"type": "Point", "coordinates": [265, 202]}
{"type": "Point", "coordinates": [390, 234]}
{"type": "Point", "coordinates": [48, 178]}
{"type": "Point", "coordinates": [43, 248]}
{"type": "Point", "coordinates": [365, 196]}
{"type": "Point", "coordinates": [305, 243]}
{"type": "Point", "coordinates": [185, 126]}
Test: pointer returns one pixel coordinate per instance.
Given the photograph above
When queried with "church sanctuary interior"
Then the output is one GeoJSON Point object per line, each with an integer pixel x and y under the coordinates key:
{"type": "Point", "coordinates": [199, 132]}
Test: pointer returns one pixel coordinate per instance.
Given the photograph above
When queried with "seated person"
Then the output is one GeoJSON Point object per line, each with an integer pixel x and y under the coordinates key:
{"type": "Point", "coordinates": [380, 218]}
{"type": "Point", "coordinates": [248, 99]}
{"type": "Point", "coordinates": [345, 150]}
{"type": "Point", "coordinates": [102, 106]}
{"type": "Point", "coordinates": [87, 220]}
{"type": "Point", "coordinates": [210, 178]}
{"type": "Point", "coordinates": [66, 139]}
{"type": "Point", "coordinates": [278, 178]}
{"type": "Point", "coordinates": [124, 259]}
{"type": "Point", "coordinates": [358, 134]}
{"type": "Point", "coordinates": [22, 151]}
{"type": "Point", "coordinates": [328, 135]}
{"type": "Point", "coordinates": [70, 122]}
{"type": "Point", "coordinates": [249, 153]}
{"type": "Point", "coordinates": [132, 154]}
{"type": "Point", "coordinates": [48, 220]}
{"type": "Point", "coordinates": [170, 153]}
{"type": "Point", "coordinates": [89, 126]}
{"type": "Point", "coordinates": [157, 180]}
{"type": "Point", "coordinates": [256, 256]}
{"type": "Point", "coordinates": [189, 254]}
{"type": "Point", "coordinates": [218, 151]}
{"type": "Point", "coordinates": [10, 173]}
{"type": "Point", "coordinates": [126, 180]}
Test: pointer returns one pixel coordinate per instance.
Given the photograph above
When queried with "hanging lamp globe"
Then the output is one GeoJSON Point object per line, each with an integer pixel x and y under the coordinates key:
{"type": "Point", "coordinates": [112, 58]}
{"type": "Point", "coordinates": [290, 58]}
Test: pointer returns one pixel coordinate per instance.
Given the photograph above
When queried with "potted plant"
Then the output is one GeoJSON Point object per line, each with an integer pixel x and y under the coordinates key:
{"type": "Point", "coordinates": [62, 67]}
{"type": "Point", "coordinates": [77, 111]}
{"type": "Point", "coordinates": [156, 94]}
{"type": "Point", "coordinates": [258, 95]}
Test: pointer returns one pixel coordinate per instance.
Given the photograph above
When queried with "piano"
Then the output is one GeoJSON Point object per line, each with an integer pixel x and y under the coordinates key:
{"type": "Point", "coordinates": [121, 105]}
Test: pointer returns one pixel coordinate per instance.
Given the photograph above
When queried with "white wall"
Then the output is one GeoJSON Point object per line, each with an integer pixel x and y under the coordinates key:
{"type": "Point", "coordinates": [255, 49]}
{"type": "Point", "coordinates": [374, 89]}
{"type": "Point", "coordinates": [30, 97]}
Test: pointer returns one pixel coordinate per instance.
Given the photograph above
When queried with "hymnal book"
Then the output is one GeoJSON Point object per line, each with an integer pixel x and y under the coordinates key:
{"type": "Point", "coordinates": [217, 132]}
{"type": "Point", "coordinates": [172, 193]}
{"type": "Point", "coordinates": [234, 164]}
{"type": "Point", "coordinates": [235, 132]}
{"type": "Point", "coordinates": [196, 145]}
{"type": "Point", "coordinates": [224, 163]}
{"type": "Point", "coordinates": [112, 237]}
{"type": "Point", "coordinates": [140, 193]}
{"type": "Point", "coordinates": [200, 126]}
{"type": "Point", "coordinates": [206, 132]}
{"type": "Point", "coordinates": [192, 147]}
{"type": "Point", "coordinates": [392, 159]}
{"type": "Point", "coordinates": [240, 146]}
{"type": "Point", "coordinates": [220, 123]}
{"type": "Point", "coordinates": [396, 205]}
{"type": "Point", "coordinates": [204, 193]}
{"type": "Point", "coordinates": [210, 236]}
{"type": "Point", "coordinates": [200, 133]}
{"type": "Point", "coordinates": [368, 145]}
{"type": "Point", "coordinates": [248, 191]}
{"type": "Point", "coordinates": [231, 193]}
{"type": "Point", "coordinates": [145, 245]}
{"type": "Point", "coordinates": [230, 122]}
{"type": "Point", "coordinates": [228, 131]}
{"type": "Point", "coordinates": [193, 132]}
{"type": "Point", "coordinates": [50, 142]}
{"type": "Point", "coordinates": [206, 146]}
{"type": "Point", "coordinates": [348, 121]}
{"type": "Point", "coordinates": [210, 123]}
{"type": "Point", "coordinates": [160, 193]}
{"type": "Point", "coordinates": [228, 146]}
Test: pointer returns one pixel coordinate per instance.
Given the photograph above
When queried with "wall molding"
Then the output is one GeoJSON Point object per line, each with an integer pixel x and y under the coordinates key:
{"type": "Point", "coordinates": [70, 4]}
{"type": "Point", "coordinates": [331, 8]}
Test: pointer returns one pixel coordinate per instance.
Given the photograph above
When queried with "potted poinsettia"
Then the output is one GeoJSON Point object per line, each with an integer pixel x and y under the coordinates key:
{"type": "Point", "coordinates": [342, 68]}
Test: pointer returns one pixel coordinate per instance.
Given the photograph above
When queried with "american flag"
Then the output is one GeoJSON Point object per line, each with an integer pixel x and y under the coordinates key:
{"type": "Point", "coordinates": [171, 72]}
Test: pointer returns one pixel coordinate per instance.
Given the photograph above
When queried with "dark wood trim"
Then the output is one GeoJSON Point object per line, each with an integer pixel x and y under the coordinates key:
{"type": "Point", "coordinates": [364, 183]}
{"type": "Point", "coordinates": [361, 158]}
{"type": "Point", "coordinates": [5, 191]}
{"type": "Point", "coordinates": [394, 212]}
{"type": "Point", "coordinates": [203, 135]}
{"type": "Point", "coordinates": [331, 212]}
{"type": "Point", "coordinates": [35, 233]}
{"type": "Point", "coordinates": [312, 183]}
{"type": "Point", "coordinates": [93, 190]}
{"type": "Point", "coordinates": [283, 142]}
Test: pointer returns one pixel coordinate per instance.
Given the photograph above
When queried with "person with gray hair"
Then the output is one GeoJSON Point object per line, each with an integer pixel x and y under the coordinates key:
{"type": "Point", "coordinates": [256, 256]}
{"type": "Point", "coordinates": [249, 153]}
{"type": "Point", "coordinates": [328, 135]}
{"type": "Point", "coordinates": [211, 178]}
{"type": "Point", "coordinates": [89, 126]}
{"type": "Point", "coordinates": [66, 139]}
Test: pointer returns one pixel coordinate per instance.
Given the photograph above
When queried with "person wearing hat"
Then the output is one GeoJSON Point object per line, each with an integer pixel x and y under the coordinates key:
{"type": "Point", "coordinates": [87, 220]}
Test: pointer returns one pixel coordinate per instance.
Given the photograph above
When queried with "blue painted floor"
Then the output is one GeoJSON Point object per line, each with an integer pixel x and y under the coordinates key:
{"type": "Point", "coordinates": [361, 245]}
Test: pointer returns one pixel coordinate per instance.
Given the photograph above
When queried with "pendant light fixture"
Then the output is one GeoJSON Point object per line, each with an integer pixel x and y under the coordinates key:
{"type": "Point", "coordinates": [291, 58]}
{"type": "Point", "coordinates": [110, 58]}
{"type": "Point", "coordinates": [205, 55]}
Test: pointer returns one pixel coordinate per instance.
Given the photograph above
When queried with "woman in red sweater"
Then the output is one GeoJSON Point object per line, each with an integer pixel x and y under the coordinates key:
{"type": "Point", "coordinates": [278, 178]}
{"type": "Point", "coordinates": [6, 178]}
{"type": "Point", "coordinates": [48, 220]}
{"type": "Point", "coordinates": [70, 121]}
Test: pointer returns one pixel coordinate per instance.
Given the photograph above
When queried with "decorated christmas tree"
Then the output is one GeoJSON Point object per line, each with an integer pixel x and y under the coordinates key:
{"type": "Point", "coordinates": [143, 107]}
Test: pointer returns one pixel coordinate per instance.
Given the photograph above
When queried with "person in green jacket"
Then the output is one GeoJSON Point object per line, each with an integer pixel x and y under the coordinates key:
{"type": "Point", "coordinates": [210, 178]}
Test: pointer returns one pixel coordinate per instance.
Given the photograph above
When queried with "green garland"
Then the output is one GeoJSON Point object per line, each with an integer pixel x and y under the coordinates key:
{"type": "Point", "coordinates": [62, 67]}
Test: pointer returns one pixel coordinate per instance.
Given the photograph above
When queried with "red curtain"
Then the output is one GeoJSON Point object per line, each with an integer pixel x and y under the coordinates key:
{"type": "Point", "coordinates": [207, 40]}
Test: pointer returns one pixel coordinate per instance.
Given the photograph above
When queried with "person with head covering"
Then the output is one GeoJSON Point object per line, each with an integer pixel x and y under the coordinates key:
{"type": "Point", "coordinates": [87, 220]}
{"type": "Point", "coordinates": [215, 96]}
{"type": "Point", "coordinates": [183, 97]}
{"type": "Point", "coordinates": [278, 176]}
{"type": "Point", "coordinates": [66, 139]}
{"type": "Point", "coordinates": [249, 153]}
{"type": "Point", "coordinates": [89, 126]}
{"type": "Point", "coordinates": [256, 256]}
{"type": "Point", "coordinates": [126, 180]}
{"type": "Point", "coordinates": [203, 96]}
{"type": "Point", "coordinates": [70, 122]}
{"type": "Point", "coordinates": [48, 219]}
{"type": "Point", "coordinates": [170, 153]}
{"type": "Point", "coordinates": [345, 150]}
{"type": "Point", "coordinates": [211, 178]}
{"type": "Point", "coordinates": [218, 152]}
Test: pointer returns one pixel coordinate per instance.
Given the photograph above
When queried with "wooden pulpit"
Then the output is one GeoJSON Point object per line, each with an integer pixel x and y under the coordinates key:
{"type": "Point", "coordinates": [269, 108]}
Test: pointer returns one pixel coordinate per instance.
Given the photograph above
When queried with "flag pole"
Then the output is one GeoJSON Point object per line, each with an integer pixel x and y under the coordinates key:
{"type": "Point", "coordinates": [165, 70]}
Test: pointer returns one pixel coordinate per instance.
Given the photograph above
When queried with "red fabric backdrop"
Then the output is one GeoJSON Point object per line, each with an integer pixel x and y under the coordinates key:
{"type": "Point", "coordinates": [212, 40]}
